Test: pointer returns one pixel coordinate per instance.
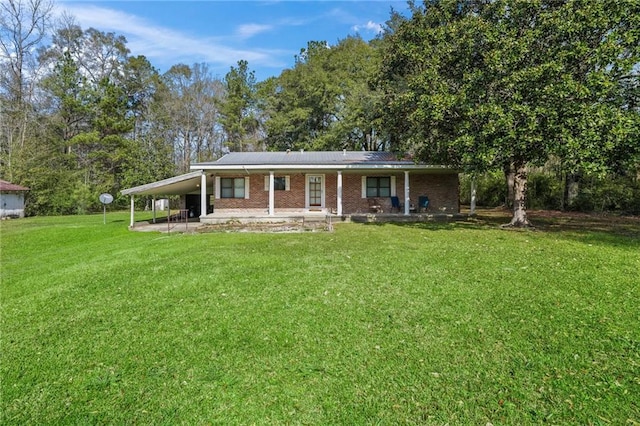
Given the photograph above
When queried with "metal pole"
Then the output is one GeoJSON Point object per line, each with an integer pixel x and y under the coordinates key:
{"type": "Point", "coordinates": [104, 214]}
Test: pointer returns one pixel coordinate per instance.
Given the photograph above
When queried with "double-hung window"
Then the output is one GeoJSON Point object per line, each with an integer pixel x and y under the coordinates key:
{"type": "Point", "coordinates": [232, 187]}
{"type": "Point", "coordinates": [378, 186]}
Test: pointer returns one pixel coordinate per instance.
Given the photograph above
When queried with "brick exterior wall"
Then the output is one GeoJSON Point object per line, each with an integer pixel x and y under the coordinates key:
{"type": "Point", "coordinates": [442, 190]}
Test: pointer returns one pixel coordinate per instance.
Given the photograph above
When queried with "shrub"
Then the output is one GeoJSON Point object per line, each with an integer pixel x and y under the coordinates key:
{"type": "Point", "coordinates": [544, 192]}
{"type": "Point", "coordinates": [613, 193]}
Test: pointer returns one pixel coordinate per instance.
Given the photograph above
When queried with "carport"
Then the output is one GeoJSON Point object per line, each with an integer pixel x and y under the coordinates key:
{"type": "Point", "coordinates": [193, 183]}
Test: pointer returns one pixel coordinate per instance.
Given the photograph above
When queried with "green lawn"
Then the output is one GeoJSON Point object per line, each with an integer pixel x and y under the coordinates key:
{"type": "Point", "coordinates": [459, 323]}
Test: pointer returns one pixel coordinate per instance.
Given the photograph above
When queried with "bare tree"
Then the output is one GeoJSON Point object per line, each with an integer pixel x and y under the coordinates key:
{"type": "Point", "coordinates": [23, 26]}
{"type": "Point", "coordinates": [186, 107]}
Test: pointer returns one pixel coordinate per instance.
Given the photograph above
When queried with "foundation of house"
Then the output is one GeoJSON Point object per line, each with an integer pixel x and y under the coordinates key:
{"type": "Point", "coordinates": [292, 219]}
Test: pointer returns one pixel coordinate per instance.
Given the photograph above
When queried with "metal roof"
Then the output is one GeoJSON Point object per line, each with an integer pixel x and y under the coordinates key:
{"type": "Point", "coordinates": [176, 185]}
{"type": "Point", "coordinates": [11, 187]}
{"type": "Point", "coordinates": [313, 158]}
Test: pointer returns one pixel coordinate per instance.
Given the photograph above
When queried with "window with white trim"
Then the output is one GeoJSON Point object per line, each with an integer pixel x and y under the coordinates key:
{"type": "Point", "coordinates": [232, 187]}
{"type": "Point", "coordinates": [378, 186]}
{"type": "Point", "coordinates": [279, 183]}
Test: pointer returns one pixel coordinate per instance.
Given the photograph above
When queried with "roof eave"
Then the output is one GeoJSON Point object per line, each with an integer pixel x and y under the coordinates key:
{"type": "Point", "coordinates": [154, 188]}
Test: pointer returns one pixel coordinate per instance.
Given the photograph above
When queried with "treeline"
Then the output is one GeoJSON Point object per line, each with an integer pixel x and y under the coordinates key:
{"type": "Point", "coordinates": [495, 88]}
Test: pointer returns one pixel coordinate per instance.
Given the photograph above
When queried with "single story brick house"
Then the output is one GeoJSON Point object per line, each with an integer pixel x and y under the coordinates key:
{"type": "Point", "coordinates": [340, 183]}
{"type": "Point", "coordinates": [11, 199]}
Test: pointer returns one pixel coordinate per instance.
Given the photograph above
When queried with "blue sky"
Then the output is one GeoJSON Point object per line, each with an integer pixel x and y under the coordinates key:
{"type": "Point", "coordinates": [220, 33]}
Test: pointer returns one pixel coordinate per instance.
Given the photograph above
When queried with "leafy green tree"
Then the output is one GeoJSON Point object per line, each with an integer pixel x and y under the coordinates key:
{"type": "Point", "coordinates": [506, 84]}
{"type": "Point", "coordinates": [325, 101]}
{"type": "Point", "coordinates": [353, 64]}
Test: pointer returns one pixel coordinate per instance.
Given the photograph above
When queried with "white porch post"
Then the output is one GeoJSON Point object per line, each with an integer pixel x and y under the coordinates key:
{"type": "Point", "coordinates": [203, 194]}
{"type": "Point", "coordinates": [153, 208]}
{"type": "Point", "coordinates": [132, 221]}
{"type": "Point", "coordinates": [271, 193]}
{"type": "Point", "coordinates": [407, 200]}
{"type": "Point", "coordinates": [339, 208]}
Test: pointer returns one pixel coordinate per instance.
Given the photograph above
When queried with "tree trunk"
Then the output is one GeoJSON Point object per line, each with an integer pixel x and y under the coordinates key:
{"type": "Point", "coordinates": [472, 209]}
{"type": "Point", "coordinates": [520, 219]}
{"type": "Point", "coordinates": [509, 176]}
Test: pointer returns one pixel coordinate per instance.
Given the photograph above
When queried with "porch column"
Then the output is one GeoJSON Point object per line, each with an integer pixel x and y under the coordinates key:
{"type": "Point", "coordinates": [132, 221]}
{"type": "Point", "coordinates": [271, 193]}
{"type": "Point", "coordinates": [339, 207]}
{"type": "Point", "coordinates": [153, 208]}
{"type": "Point", "coordinates": [407, 200]}
{"type": "Point", "coordinates": [203, 194]}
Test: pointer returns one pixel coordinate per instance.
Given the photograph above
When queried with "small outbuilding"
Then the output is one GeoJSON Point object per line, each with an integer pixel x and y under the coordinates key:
{"type": "Point", "coordinates": [11, 199]}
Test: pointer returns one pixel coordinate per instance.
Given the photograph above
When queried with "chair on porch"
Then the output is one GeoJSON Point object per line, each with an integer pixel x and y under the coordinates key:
{"type": "Point", "coordinates": [423, 203]}
{"type": "Point", "coordinates": [395, 204]}
{"type": "Point", "coordinates": [374, 205]}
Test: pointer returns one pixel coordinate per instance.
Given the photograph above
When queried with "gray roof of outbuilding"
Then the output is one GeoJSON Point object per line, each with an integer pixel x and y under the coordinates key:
{"type": "Point", "coordinates": [306, 158]}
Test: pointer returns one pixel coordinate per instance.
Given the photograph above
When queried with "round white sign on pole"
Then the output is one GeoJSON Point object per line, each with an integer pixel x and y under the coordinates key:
{"type": "Point", "coordinates": [106, 198]}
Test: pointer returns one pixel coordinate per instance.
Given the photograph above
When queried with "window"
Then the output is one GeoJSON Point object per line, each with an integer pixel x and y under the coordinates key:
{"type": "Point", "coordinates": [379, 186]}
{"type": "Point", "coordinates": [280, 183]}
{"type": "Point", "coordinates": [232, 187]}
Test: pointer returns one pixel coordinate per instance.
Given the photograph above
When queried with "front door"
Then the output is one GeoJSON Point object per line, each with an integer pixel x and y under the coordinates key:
{"type": "Point", "coordinates": [315, 191]}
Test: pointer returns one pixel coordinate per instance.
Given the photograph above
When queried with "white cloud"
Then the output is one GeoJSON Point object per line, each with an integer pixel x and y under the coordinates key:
{"type": "Point", "coordinates": [165, 46]}
{"type": "Point", "coordinates": [369, 26]}
{"type": "Point", "coordinates": [249, 30]}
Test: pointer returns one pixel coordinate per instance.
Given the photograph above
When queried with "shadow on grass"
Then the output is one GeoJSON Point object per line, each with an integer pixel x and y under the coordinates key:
{"type": "Point", "coordinates": [592, 229]}
{"type": "Point", "coordinates": [428, 226]}
{"type": "Point", "coordinates": [584, 227]}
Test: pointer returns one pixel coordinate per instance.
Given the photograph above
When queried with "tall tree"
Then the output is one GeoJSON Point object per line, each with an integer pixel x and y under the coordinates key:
{"type": "Point", "coordinates": [238, 108]}
{"type": "Point", "coordinates": [505, 84]}
{"type": "Point", "coordinates": [92, 99]}
{"type": "Point", "coordinates": [325, 101]}
{"type": "Point", "coordinates": [68, 100]}
{"type": "Point", "coordinates": [186, 113]}
{"type": "Point", "coordinates": [23, 26]}
{"type": "Point", "coordinates": [141, 83]}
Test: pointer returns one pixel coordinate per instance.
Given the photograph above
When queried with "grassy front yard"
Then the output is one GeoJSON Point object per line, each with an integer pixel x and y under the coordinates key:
{"type": "Point", "coordinates": [388, 324]}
